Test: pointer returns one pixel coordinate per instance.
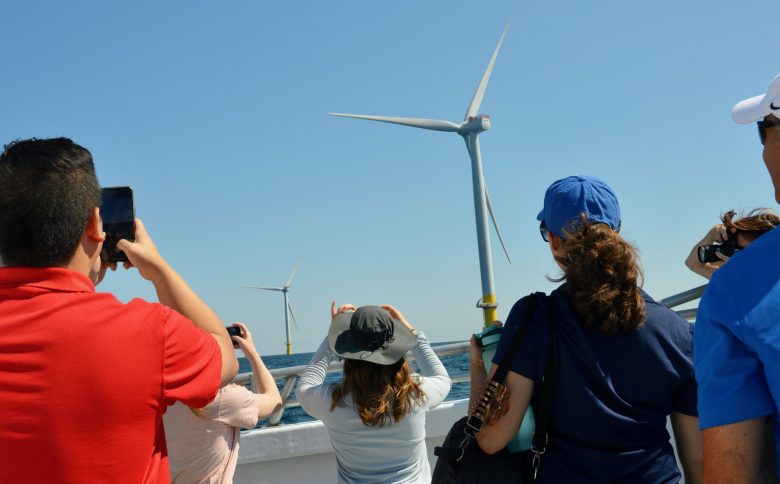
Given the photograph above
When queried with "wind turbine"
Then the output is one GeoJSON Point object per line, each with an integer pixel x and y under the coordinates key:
{"type": "Point", "coordinates": [473, 124]}
{"type": "Point", "coordinates": [287, 306]}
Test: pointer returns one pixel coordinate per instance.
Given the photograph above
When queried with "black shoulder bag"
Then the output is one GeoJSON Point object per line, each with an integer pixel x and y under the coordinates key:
{"type": "Point", "coordinates": [461, 461]}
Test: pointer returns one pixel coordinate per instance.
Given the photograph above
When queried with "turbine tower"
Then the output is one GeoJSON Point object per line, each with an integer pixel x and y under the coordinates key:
{"type": "Point", "coordinates": [287, 306]}
{"type": "Point", "coordinates": [473, 124]}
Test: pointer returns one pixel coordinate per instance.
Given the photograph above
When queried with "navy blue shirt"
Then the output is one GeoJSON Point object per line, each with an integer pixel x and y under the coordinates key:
{"type": "Point", "coordinates": [612, 395]}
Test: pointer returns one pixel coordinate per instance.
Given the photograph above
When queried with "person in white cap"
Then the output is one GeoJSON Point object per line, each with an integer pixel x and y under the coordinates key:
{"type": "Point", "coordinates": [737, 337]}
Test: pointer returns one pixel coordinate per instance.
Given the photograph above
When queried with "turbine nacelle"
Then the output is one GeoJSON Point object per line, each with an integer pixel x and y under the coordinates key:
{"type": "Point", "coordinates": [475, 124]}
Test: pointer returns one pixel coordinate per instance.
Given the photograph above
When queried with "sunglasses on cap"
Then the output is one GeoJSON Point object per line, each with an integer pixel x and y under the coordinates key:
{"type": "Point", "coordinates": [763, 125]}
{"type": "Point", "coordinates": [543, 231]}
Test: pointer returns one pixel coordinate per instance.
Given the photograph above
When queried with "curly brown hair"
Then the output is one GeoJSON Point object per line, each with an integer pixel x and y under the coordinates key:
{"type": "Point", "coordinates": [756, 223]}
{"type": "Point", "coordinates": [379, 392]}
{"type": "Point", "coordinates": [604, 277]}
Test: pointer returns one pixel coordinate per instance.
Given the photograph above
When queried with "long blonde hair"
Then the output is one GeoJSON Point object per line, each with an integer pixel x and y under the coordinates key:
{"type": "Point", "coordinates": [380, 393]}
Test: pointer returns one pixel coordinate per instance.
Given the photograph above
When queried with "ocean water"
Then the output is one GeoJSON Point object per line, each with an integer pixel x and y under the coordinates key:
{"type": "Point", "coordinates": [455, 365]}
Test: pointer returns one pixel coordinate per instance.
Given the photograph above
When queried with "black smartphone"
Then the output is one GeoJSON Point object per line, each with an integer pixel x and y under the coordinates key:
{"type": "Point", "coordinates": [118, 214]}
{"type": "Point", "coordinates": [233, 331]}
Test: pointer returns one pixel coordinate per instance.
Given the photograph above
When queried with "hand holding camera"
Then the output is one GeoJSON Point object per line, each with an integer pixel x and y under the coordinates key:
{"type": "Point", "coordinates": [716, 252]}
{"type": "Point", "coordinates": [712, 251]}
{"type": "Point", "coordinates": [726, 239]}
{"type": "Point", "coordinates": [242, 338]}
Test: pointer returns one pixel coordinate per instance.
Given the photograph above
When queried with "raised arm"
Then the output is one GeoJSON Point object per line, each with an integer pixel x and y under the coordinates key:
{"type": "Point", "coordinates": [268, 399]}
{"type": "Point", "coordinates": [311, 391]}
{"type": "Point", "coordinates": [706, 269]}
{"type": "Point", "coordinates": [436, 382]}
{"type": "Point", "coordinates": [173, 292]}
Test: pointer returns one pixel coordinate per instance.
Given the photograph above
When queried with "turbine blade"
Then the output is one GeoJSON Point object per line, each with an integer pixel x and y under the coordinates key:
{"type": "Point", "coordinates": [495, 224]}
{"type": "Point", "coordinates": [477, 99]}
{"type": "Point", "coordinates": [292, 274]}
{"type": "Point", "coordinates": [289, 307]}
{"type": "Point", "coordinates": [266, 288]}
{"type": "Point", "coordinates": [433, 124]}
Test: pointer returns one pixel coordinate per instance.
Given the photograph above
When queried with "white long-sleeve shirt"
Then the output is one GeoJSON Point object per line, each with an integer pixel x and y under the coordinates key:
{"type": "Point", "coordinates": [392, 453]}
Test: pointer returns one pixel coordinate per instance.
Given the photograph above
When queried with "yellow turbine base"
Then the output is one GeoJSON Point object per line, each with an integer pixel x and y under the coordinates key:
{"type": "Point", "coordinates": [489, 310]}
{"type": "Point", "coordinates": [289, 349]}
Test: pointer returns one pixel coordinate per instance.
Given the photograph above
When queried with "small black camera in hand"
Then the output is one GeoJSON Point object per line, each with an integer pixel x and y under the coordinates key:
{"type": "Point", "coordinates": [708, 253]}
{"type": "Point", "coordinates": [234, 331]}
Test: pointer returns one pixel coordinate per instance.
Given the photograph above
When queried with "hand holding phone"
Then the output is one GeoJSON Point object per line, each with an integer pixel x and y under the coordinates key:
{"type": "Point", "coordinates": [117, 212]}
{"type": "Point", "coordinates": [143, 254]}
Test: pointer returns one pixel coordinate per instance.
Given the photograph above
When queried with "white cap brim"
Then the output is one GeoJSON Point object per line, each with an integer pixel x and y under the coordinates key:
{"type": "Point", "coordinates": [750, 110]}
{"type": "Point", "coordinates": [758, 107]}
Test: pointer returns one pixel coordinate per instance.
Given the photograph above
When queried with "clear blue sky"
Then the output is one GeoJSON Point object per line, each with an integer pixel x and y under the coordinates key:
{"type": "Point", "coordinates": [216, 114]}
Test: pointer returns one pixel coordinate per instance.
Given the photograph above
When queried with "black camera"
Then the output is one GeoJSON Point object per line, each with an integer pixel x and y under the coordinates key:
{"type": "Point", "coordinates": [708, 253]}
{"type": "Point", "coordinates": [234, 331]}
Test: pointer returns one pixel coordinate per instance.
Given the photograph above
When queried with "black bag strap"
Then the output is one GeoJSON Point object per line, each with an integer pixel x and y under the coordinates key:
{"type": "Point", "coordinates": [543, 408]}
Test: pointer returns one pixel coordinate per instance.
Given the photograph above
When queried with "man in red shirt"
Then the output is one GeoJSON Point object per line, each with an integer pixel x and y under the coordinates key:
{"type": "Point", "coordinates": [84, 378]}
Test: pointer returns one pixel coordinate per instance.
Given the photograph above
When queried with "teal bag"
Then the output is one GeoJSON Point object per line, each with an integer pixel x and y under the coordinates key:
{"type": "Point", "coordinates": [488, 340]}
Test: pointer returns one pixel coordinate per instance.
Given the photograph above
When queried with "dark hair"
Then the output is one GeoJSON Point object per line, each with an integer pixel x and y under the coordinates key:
{"type": "Point", "coordinates": [379, 392]}
{"type": "Point", "coordinates": [604, 277]}
{"type": "Point", "coordinates": [756, 223]}
{"type": "Point", "coordinates": [48, 189]}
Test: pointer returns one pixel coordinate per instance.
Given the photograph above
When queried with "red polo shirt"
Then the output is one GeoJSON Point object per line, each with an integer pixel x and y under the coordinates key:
{"type": "Point", "coordinates": [85, 379]}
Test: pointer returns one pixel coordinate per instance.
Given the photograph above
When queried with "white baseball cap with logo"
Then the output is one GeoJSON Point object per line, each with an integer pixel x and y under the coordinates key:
{"type": "Point", "coordinates": [757, 107]}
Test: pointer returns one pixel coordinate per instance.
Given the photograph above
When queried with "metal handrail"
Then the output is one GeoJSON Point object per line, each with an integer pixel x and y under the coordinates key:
{"type": "Point", "coordinates": [684, 297]}
{"type": "Point", "coordinates": [290, 374]}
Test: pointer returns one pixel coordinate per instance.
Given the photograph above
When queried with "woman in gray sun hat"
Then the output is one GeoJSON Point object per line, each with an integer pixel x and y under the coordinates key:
{"type": "Point", "coordinates": [376, 416]}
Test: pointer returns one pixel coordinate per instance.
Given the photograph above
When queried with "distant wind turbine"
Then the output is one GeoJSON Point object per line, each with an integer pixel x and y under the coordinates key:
{"type": "Point", "coordinates": [287, 306]}
{"type": "Point", "coordinates": [472, 125]}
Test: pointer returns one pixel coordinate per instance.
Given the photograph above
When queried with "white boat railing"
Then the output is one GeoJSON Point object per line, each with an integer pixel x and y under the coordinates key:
{"type": "Point", "coordinates": [290, 374]}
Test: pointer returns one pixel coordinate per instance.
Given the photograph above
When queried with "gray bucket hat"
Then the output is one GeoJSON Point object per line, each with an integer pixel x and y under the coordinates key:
{"type": "Point", "coordinates": [370, 334]}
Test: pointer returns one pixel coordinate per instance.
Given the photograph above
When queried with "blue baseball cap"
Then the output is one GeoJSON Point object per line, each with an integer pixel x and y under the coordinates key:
{"type": "Point", "coordinates": [566, 199]}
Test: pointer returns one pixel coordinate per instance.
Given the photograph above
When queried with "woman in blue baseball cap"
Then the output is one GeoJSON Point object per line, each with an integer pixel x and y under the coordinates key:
{"type": "Point", "coordinates": [623, 361]}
